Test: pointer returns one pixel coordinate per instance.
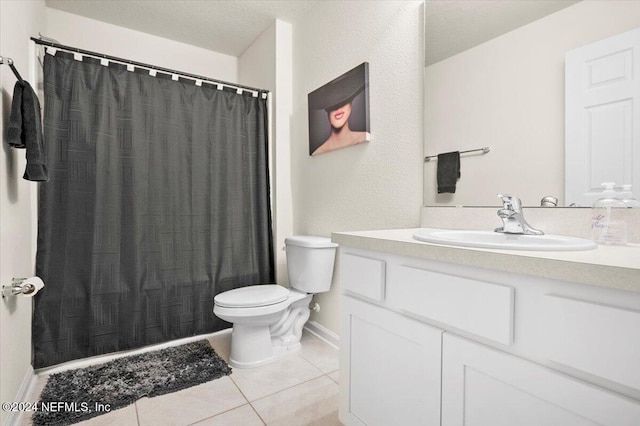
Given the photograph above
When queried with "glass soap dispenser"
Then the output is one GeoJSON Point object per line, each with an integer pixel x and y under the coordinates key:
{"type": "Point", "coordinates": [632, 213]}
{"type": "Point", "coordinates": [608, 218]}
{"type": "Point", "coordinates": [627, 197]}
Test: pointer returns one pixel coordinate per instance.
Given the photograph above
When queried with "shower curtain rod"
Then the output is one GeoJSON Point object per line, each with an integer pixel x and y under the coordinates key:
{"type": "Point", "coordinates": [143, 65]}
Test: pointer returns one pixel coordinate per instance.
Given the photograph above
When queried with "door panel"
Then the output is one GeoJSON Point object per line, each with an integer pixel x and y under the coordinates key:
{"type": "Point", "coordinates": [602, 133]}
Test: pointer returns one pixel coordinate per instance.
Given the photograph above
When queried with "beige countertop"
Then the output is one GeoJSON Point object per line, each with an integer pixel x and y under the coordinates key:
{"type": "Point", "coordinates": [615, 267]}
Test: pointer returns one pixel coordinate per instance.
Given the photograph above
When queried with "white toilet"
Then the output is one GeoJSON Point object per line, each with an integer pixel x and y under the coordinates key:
{"type": "Point", "coordinates": [268, 319]}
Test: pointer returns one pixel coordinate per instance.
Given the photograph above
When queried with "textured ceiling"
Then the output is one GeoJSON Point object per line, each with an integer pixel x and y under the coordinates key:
{"type": "Point", "coordinates": [220, 25]}
{"type": "Point", "coordinates": [230, 26]}
{"type": "Point", "coordinates": [453, 26]}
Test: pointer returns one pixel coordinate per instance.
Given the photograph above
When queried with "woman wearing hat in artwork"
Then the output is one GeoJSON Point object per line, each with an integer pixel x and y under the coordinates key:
{"type": "Point", "coordinates": [336, 99]}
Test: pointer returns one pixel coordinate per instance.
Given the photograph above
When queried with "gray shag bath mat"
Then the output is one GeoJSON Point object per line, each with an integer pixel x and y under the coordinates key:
{"type": "Point", "coordinates": [76, 395]}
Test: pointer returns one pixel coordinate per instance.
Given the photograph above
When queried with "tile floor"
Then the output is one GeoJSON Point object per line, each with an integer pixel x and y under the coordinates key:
{"type": "Point", "coordinates": [299, 390]}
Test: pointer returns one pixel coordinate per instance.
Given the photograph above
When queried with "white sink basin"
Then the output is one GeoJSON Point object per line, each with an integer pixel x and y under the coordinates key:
{"type": "Point", "coordinates": [497, 240]}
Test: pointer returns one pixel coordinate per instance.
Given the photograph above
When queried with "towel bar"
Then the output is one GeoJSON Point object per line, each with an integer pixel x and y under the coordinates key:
{"type": "Point", "coordinates": [483, 149]}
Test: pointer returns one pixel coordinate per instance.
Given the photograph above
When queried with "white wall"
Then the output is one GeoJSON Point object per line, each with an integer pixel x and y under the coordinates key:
{"type": "Point", "coordinates": [19, 20]}
{"type": "Point", "coordinates": [373, 185]}
{"type": "Point", "coordinates": [77, 31]}
{"type": "Point", "coordinates": [267, 64]}
{"type": "Point", "coordinates": [508, 93]}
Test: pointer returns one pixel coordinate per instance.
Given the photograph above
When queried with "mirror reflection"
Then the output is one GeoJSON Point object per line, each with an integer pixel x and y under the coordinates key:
{"type": "Point", "coordinates": [495, 77]}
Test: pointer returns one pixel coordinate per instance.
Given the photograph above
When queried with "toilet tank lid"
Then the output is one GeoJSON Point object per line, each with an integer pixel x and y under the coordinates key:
{"type": "Point", "coordinates": [252, 296]}
{"type": "Point", "coordinates": [310, 241]}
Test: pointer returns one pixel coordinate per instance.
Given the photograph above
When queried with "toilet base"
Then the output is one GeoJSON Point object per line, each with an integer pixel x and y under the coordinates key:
{"type": "Point", "coordinates": [275, 354]}
{"type": "Point", "coordinates": [256, 345]}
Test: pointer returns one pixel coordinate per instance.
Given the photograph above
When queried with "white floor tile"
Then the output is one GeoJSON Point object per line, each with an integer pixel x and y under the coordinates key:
{"type": "Point", "coordinates": [125, 416]}
{"type": "Point", "coordinates": [271, 378]}
{"type": "Point", "coordinates": [306, 334]}
{"type": "Point", "coordinates": [41, 381]}
{"type": "Point", "coordinates": [190, 405]}
{"type": "Point", "coordinates": [221, 343]}
{"type": "Point", "coordinates": [241, 416]}
{"type": "Point", "coordinates": [320, 354]}
{"type": "Point", "coordinates": [335, 376]}
{"type": "Point", "coordinates": [313, 402]}
{"type": "Point", "coordinates": [25, 419]}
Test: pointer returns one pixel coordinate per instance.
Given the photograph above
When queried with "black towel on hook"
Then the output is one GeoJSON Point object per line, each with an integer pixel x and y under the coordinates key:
{"type": "Point", "coordinates": [25, 130]}
{"type": "Point", "coordinates": [448, 172]}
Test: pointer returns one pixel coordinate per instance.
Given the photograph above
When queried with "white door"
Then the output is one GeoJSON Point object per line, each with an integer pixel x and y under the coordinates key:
{"type": "Point", "coordinates": [482, 386]}
{"type": "Point", "coordinates": [389, 368]}
{"type": "Point", "coordinates": [602, 117]}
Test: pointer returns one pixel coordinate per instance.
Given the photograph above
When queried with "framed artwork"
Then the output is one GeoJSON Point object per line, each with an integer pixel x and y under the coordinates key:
{"type": "Point", "coordinates": [339, 112]}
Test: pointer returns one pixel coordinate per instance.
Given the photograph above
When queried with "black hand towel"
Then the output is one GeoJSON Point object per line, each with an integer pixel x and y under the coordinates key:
{"type": "Point", "coordinates": [14, 130]}
{"type": "Point", "coordinates": [25, 130]}
{"type": "Point", "coordinates": [448, 171]}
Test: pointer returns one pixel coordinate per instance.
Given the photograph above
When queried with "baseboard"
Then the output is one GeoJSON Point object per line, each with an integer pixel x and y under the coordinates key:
{"type": "Point", "coordinates": [23, 395]}
{"type": "Point", "coordinates": [323, 333]}
{"type": "Point", "coordinates": [99, 359]}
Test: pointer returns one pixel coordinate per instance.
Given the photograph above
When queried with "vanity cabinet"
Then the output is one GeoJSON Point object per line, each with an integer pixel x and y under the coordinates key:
{"type": "Point", "coordinates": [482, 386]}
{"type": "Point", "coordinates": [393, 367]}
{"type": "Point", "coordinates": [432, 343]}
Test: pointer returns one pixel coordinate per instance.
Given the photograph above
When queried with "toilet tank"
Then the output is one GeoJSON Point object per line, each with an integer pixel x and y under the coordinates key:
{"type": "Point", "coordinates": [310, 263]}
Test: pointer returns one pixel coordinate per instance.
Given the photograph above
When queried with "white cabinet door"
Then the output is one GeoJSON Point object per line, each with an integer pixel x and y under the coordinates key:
{"type": "Point", "coordinates": [390, 368]}
{"type": "Point", "coordinates": [602, 125]}
{"type": "Point", "coordinates": [482, 386]}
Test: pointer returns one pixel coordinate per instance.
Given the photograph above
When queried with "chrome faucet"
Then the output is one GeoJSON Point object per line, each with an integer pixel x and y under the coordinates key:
{"type": "Point", "coordinates": [513, 219]}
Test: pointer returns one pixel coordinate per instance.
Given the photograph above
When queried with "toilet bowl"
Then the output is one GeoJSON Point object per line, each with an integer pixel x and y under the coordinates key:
{"type": "Point", "coordinates": [268, 318]}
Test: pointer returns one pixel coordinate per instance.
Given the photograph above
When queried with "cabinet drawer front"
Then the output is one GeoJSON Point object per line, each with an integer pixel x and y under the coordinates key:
{"type": "Point", "coordinates": [364, 276]}
{"type": "Point", "coordinates": [598, 339]}
{"type": "Point", "coordinates": [478, 307]}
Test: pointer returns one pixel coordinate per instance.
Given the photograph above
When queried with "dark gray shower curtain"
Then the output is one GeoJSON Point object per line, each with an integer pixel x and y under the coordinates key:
{"type": "Point", "coordinates": [158, 199]}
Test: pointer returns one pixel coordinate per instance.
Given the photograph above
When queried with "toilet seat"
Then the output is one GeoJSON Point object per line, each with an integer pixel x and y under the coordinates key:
{"type": "Point", "coordinates": [252, 296]}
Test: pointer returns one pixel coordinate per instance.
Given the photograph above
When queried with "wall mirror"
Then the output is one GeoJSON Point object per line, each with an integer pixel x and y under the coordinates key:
{"type": "Point", "coordinates": [495, 77]}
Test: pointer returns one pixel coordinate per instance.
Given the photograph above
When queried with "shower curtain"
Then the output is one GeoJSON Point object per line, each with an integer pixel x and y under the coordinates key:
{"type": "Point", "coordinates": [158, 199]}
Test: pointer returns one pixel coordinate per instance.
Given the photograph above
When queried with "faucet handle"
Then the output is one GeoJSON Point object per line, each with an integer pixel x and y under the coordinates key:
{"type": "Point", "coordinates": [510, 202]}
